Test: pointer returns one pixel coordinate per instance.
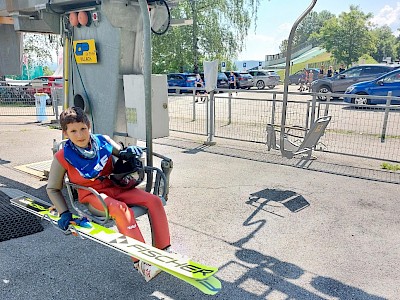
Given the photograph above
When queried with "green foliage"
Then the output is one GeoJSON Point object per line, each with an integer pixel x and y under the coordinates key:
{"type": "Point", "coordinates": [391, 167]}
{"type": "Point", "coordinates": [47, 71]}
{"type": "Point", "coordinates": [38, 48]}
{"type": "Point", "coordinates": [348, 36]}
{"type": "Point", "coordinates": [386, 43]}
{"type": "Point", "coordinates": [220, 27]}
{"type": "Point", "coordinates": [312, 23]}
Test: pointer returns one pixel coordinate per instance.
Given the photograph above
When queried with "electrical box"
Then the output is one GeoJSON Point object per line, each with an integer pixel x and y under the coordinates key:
{"type": "Point", "coordinates": [135, 108]}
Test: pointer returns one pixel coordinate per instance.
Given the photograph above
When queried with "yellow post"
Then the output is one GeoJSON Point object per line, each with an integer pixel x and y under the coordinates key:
{"type": "Point", "coordinates": [66, 71]}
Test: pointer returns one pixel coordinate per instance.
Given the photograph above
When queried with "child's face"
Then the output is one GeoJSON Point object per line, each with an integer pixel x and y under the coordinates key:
{"type": "Point", "coordinates": [78, 133]}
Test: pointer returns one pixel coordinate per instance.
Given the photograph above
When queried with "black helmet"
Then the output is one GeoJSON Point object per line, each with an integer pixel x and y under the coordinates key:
{"type": "Point", "coordinates": [128, 173]}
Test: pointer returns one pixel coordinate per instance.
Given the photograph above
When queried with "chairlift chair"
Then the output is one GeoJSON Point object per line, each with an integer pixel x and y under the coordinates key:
{"type": "Point", "coordinates": [309, 142]}
{"type": "Point", "coordinates": [157, 182]}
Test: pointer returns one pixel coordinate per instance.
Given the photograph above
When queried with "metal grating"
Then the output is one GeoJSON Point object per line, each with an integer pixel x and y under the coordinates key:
{"type": "Point", "coordinates": [15, 222]}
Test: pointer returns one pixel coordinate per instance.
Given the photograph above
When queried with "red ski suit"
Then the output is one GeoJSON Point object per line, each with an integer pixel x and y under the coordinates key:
{"type": "Point", "coordinates": [118, 199]}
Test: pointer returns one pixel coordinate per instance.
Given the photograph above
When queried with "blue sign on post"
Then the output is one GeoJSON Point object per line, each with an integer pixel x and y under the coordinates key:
{"type": "Point", "coordinates": [244, 65]}
{"type": "Point", "coordinates": [223, 66]}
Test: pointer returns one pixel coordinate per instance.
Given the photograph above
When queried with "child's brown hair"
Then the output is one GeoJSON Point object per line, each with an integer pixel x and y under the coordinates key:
{"type": "Point", "coordinates": [73, 115]}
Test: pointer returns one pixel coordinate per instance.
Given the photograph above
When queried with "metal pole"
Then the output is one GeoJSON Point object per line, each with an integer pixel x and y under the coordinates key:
{"type": "Point", "coordinates": [273, 108]}
{"type": "Point", "coordinates": [147, 81]}
{"type": "Point", "coordinates": [386, 117]}
{"type": "Point", "coordinates": [230, 109]}
{"type": "Point", "coordinates": [194, 15]}
{"type": "Point", "coordinates": [287, 70]}
{"type": "Point", "coordinates": [211, 126]}
{"type": "Point", "coordinates": [194, 105]}
{"type": "Point", "coordinates": [66, 56]}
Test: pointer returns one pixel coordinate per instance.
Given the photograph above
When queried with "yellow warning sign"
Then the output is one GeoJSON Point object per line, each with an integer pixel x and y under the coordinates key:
{"type": "Point", "coordinates": [85, 52]}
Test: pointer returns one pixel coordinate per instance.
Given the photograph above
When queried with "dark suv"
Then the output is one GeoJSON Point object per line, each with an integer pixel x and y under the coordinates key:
{"type": "Point", "coordinates": [338, 83]}
{"type": "Point", "coordinates": [243, 80]}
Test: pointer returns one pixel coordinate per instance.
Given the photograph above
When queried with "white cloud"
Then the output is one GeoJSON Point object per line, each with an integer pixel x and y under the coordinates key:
{"type": "Point", "coordinates": [259, 45]}
{"type": "Point", "coordinates": [388, 15]}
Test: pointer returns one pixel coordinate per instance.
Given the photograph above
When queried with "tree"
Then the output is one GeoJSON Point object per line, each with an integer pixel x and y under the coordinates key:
{"type": "Point", "coordinates": [386, 43]}
{"type": "Point", "coordinates": [219, 31]}
{"type": "Point", "coordinates": [283, 46]}
{"type": "Point", "coordinates": [39, 49]}
{"type": "Point", "coordinates": [348, 37]}
{"type": "Point", "coordinates": [312, 23]}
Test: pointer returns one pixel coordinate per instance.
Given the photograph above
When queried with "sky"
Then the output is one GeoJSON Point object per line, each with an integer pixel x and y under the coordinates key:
{"type": "Point", "coordinates": [276, 18]}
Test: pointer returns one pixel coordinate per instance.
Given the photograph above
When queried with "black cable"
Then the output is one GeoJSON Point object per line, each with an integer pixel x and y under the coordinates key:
{"type": "Point", "coordinates": [163, 2]}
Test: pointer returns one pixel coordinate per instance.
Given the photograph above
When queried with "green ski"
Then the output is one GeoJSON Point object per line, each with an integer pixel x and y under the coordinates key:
{"type": "Point", "coordinates": [198, 275]}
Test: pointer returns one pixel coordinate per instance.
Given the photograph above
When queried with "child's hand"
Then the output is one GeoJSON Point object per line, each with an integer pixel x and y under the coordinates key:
{"type": "Point", "coordinates": [65, 219]}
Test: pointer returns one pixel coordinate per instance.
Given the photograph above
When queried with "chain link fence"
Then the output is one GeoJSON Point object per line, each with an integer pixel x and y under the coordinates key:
{"type": "Point", "coordinates": [17, 98]}
{"type": "Point", "coordinates": [370, 131]}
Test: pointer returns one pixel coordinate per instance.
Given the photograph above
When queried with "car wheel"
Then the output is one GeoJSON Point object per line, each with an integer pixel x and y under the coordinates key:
{"type": "Point", "coordinates": [361, 99]}
{"type": "Point", "coordinates": [324, 89]}
{"type": "Point", "coordinates": [260, 84]}
{"type": "Point", "coordinates": [271, 87]}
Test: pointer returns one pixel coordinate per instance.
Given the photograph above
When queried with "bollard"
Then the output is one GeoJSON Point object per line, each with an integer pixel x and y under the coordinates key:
{"type": "Point", "coordinates": [40, 103]}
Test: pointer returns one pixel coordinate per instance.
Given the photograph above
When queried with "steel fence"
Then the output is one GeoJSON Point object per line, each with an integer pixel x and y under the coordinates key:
{"type": "Point", "coordinates": [188, 113]}
{"type": "Point", "coordinates": [17, 98]}
{"type": "Point", "coordinates": [370, 131]}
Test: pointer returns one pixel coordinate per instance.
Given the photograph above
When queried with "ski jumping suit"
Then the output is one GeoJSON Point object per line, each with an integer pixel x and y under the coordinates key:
{"type": "Point", "coordinates": [117, 200]}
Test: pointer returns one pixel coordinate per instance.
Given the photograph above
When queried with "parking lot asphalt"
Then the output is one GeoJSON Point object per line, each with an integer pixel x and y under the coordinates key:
{"type": "Point", "coordinates": [274, 231]}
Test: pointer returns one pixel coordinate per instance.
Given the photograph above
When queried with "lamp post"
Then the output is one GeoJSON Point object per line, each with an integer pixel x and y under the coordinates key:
{"type": "Point", "coordinates": [194, 33]}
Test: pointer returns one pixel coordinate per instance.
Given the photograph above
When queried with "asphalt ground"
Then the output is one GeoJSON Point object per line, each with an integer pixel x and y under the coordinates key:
{"type": "Point", "coordinates": [274, 231]}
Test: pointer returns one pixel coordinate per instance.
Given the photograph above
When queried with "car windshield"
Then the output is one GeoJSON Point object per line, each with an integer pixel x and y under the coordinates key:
{"type": "Point", "coordinates": [355, 72]}
{"type": "Point", "coordinates": [191, 78]}
{"type": "Point", "coordinates": [395, 77]}
{"type": "Point", "coordinates": [245, 75]}
{"type": "Point", "coordinates": [222, 76]}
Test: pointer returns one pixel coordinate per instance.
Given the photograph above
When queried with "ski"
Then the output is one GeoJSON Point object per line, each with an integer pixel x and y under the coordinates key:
{"type": "Point", "coordinates": [198, 275]}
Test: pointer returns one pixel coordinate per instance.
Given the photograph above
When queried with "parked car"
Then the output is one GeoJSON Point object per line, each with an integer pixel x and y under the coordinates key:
{"type": "Point", "coordinates": [340, 82]}
{"type": "Point", "coordinates": [243, 79]}
{"type": "Point", "coordinates": [222, 80]}
{"type": "Point", "coordinates": [295, 78]}
{"type": "Point", "coordinates": [180, 80]}
{"type": "Point", "coordinates": [380, 86]}
{"type": "Point", "coordinates": [263, 78]}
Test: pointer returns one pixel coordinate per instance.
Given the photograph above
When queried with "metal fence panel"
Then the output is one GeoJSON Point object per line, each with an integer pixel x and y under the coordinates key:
{"type": "Point", "coordinates": [352, 131]}
{"type": "Point", "coordinates": [357, 131]}
{"type": "Point", "coordinates": [187, 115]}
{"type": "Point", "coordinates": [19, 100]}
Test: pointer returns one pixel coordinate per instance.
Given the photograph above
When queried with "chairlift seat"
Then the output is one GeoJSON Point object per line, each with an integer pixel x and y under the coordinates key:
{"type": "Point", "coordinates": [309, 142]}
{"type": "Point", "coordinates": [155, 181]}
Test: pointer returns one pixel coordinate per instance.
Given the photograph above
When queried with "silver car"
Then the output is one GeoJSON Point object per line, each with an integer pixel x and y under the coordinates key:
{"type": "Point", "coordinates": [263, 78]}
{"type": "Point", "coordinates": [338, 83]}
